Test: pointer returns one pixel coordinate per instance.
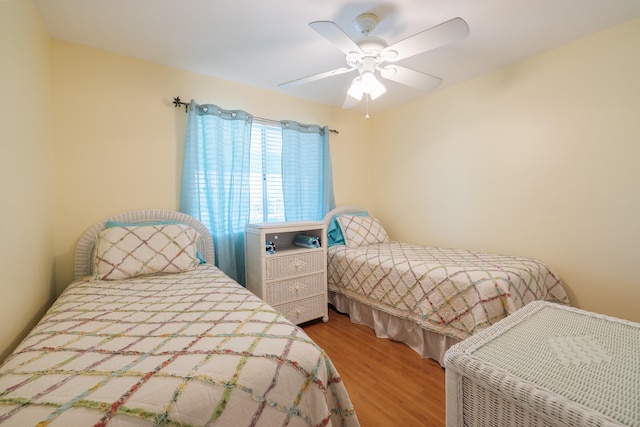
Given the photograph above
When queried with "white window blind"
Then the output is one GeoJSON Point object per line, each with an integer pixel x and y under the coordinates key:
{"type": "Point", "coordinates": [267, 203]}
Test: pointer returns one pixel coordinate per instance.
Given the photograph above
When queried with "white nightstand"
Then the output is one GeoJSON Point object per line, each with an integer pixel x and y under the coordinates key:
{"type": "Point", "coordinates": [292, 279]}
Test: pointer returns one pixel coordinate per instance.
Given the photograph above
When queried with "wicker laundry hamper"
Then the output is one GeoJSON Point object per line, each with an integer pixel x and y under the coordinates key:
{"type": "Point", "coordinates": [546, 365]}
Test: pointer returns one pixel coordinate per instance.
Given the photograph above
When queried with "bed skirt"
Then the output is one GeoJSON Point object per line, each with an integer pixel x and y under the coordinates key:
{"type": "Point", "coordinates": [426, 343]}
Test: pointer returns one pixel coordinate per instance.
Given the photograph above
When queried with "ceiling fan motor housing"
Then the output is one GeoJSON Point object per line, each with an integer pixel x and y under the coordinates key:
{"type": "Point", "coordinates": [367, 63]}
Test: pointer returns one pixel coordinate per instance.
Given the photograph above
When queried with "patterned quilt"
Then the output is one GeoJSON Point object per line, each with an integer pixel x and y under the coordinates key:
{"type": "Point", "coordinates": [185, 349]}
{"type": "Point", "coordinates": [448, 291]}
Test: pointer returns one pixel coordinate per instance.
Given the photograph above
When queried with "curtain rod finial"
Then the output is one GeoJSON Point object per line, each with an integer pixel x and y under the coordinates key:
{"type": "Point", "coordinates": [177, 102]}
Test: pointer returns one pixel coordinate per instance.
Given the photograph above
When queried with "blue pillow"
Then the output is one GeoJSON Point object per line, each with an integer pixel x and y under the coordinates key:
{"type": "Point", "coordinates": [111, 224]}
{"type": "Point", "coordinates": [334, 233]}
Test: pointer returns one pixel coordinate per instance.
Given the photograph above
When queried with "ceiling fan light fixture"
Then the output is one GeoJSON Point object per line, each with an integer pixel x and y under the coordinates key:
{"type": "Point", "coordinates": [371, 85]}
{"type": "Point", "coordinates": [355, 90]}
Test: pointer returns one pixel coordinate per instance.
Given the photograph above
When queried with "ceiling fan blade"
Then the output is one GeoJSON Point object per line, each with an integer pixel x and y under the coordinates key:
{"type": "Point", "coordinates": [448, 32]}
{"type": "Point", "coordinates": [409, 77]}
{"type": "Point", "coordinates": [332, 32]}
{"type": "Point", "coordinates": [315, 77]}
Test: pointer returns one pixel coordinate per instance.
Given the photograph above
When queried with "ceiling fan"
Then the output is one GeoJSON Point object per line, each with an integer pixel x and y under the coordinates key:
{"type": "Point", "coordinates": [369, 55]}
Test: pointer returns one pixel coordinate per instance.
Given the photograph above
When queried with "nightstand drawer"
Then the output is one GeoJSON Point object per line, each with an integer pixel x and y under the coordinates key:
{"type": "Point", "coordinates": [296, 288]}
{"type": "Point", "coordinates": [294, 265]}
{"type": "Point", "coordinates": [304, 310]}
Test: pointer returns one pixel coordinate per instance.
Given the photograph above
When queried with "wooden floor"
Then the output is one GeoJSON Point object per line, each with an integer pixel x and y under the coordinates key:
{"type": "Point", "coordinates": [389, 384]}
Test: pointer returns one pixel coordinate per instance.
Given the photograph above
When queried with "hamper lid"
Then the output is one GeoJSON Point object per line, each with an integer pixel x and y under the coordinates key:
{"type": "Point", "coordinates": [590, 359]}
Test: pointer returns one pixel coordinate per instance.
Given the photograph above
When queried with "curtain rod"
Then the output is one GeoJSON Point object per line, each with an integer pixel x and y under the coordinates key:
{"type": "Point", "coordinates": [177, 103]}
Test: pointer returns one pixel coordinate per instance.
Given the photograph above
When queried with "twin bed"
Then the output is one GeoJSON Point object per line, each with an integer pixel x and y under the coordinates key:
{"type": "Point", "coordinates": [152, 333]}
{"type": "Point", "coordinates": [430, 298]}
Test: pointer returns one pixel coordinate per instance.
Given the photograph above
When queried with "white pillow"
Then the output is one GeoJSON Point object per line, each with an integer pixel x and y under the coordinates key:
{"type": "Point", "coordinates": [361, 230]}
{"type": "Point", "coordinates": [130, 251]}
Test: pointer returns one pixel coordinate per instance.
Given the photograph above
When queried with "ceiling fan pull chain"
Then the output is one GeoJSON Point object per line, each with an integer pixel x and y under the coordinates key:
{"type": "Point", "coordinates": [366, 101]}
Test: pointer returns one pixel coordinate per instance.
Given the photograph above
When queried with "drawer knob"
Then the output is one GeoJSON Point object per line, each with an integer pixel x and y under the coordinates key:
{"type": "Point", "coordinates": [297, 312]}
{"type": "Point", "coordinates": [297, 265]}
{"type": "Point", "coordinates": [297, 287]}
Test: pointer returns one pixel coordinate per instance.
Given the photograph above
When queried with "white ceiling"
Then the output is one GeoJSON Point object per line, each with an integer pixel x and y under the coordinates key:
{"type": "Point", "coordinates": [265, 43]}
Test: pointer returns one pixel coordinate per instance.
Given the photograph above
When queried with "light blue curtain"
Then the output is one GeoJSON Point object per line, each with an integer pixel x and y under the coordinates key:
{"type": "Point", "coordinates": [307, 178]}
{"type": "Point", "coordinates": [215, 179]}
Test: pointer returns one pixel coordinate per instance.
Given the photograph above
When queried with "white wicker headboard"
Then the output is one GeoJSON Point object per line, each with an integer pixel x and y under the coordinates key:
{"type": "Point", "coordinates": [84, 249]}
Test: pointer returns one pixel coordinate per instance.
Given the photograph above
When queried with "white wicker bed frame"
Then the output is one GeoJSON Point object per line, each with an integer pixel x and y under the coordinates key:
{"type": "Point", "coordinates": [426, 343]}
{"type": "Point", "coordinates": [84, 249]}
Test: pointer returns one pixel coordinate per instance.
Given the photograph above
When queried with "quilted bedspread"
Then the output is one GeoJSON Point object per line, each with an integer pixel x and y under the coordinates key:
{"type": "Point", "coordinates": [448, 291]}
{"type": "Point", "coordinates": [186, 349]}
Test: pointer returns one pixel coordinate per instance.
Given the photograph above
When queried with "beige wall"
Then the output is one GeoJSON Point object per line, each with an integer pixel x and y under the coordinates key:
{"type": "Point", "coordinates": [119, 140]}
{"type": "Point", "coordinates": [540, 158]}
{"type": "Point", "coordinates": [26, 247]}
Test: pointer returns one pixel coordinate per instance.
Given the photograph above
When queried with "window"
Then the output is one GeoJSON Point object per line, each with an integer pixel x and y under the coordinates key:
{"type": "Point", "coordinates": [239, 169]}
{"type": "Point", "coordinates": [265, 165]}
